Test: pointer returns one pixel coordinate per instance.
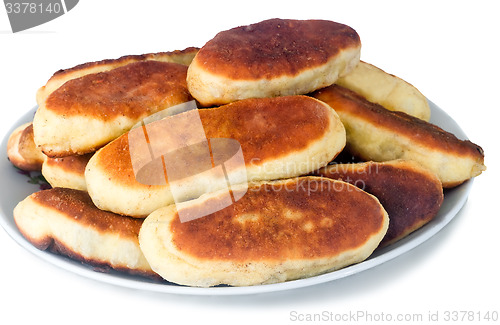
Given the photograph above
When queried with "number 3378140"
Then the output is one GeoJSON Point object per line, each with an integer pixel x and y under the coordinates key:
{"type": "Point", "coordinates": [32, 8]}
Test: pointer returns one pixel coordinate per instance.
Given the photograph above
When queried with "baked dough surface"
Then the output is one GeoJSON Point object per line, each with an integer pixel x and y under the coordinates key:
{"type": "Point", "coordinates": [278, 231]}
{"type": "Point", "coordinates": [279, 137]}
{"type": "Point", "coordinates": [66, 222]}
{"type": "Point", "coordinates": [276, 57]}
{"type": "Point", "coordinates": [375, 133]}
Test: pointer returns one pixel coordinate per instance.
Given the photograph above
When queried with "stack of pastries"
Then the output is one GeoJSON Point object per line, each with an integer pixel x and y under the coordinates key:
{"type": "Point", "coordinates": [294, 95]}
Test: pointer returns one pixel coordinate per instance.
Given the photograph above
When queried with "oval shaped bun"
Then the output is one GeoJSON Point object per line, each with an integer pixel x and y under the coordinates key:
{"type": "Point", "coordinates": [65, 221]}
{"type": "Point", "coordinates": [278, 231]}
{"type": "Point", "coordinates": [378, 134]}
{"type": "Point", "coordinates": [22, 151]}
{"type": "Point", "coordinates": [275, 57]}
{"type": "Point", "coordinates": [87, 112]}
{"type": "Point", "coordinates": [387, 90]}
{"type": "Point", "coordinates": [279, 137]}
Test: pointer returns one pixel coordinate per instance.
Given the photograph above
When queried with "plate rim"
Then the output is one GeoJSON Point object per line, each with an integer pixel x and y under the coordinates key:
{"type": "Point", "coordinates": [459, 194]}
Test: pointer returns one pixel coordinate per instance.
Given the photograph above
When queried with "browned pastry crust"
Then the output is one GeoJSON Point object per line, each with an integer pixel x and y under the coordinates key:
{"type": "Point", "coordinates": [183, 57]}
{"type": "Point", "coordinates": [78, 206]}
{"type": "Point", "coordinates": [275, 57]}
{"type": "Point", "coordinates": [333, 217]}
{"type": "Point", "coordinates": [410, 194]}
{"type": "Point", "coordinates": [265, 128]}
{"type": "Point", "coordinates": [375, 133]}
{"type": "Point", "coordinates": [67, 171]}
{"type": "Point", "coordinates": [275, 47]}
{"type": "Point", "coordinates": [65, 221]}
{"type": "Point", "coordinates": [279, 137]}
{"type": "Point", "coordinates": [71, 164]}
{"type": "Point", "coordinates": [134, 90]}
{"type": "Point", "coordinates": [87, 112]}
{"type": "Point", "coordinates": [278, 231]}
{"type": "Point", "coordinates": [22, 151]}
{"type": "Point", "coordinates": [178, 56]}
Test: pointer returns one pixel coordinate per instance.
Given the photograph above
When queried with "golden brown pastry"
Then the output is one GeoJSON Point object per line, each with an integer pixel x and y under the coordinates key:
{"type": "Point", "coordinates": [67, 172]}
{"type": "Point", "coordinates": [66, 222]}
{"type": "Point", "coordinates": [22, 151]}
{"type": "Point", "coordinates": [410, 194]}
{"type": "Point", "coordinates": [279, 137]}
{"type": "Point", "coordinates": [86, 113]}
{"type": "Point", "coordinates": [278, 231]}
{"type": "Point", "coordinates": [375, 133]}
{"type": "Point", "coordinates": [387, 90]}
{"type": "Point", "coordinates": [183, 57]}
{"type": "Point", "coordinates": [275, 57]}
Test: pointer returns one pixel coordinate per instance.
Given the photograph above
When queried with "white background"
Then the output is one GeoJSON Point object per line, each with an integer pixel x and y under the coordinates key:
{"type": "Point", "coordinates": [449, 50]}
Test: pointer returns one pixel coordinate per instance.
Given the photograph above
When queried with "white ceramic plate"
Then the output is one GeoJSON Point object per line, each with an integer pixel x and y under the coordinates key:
{"type": "Point", "coordinates": [19, 187]}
